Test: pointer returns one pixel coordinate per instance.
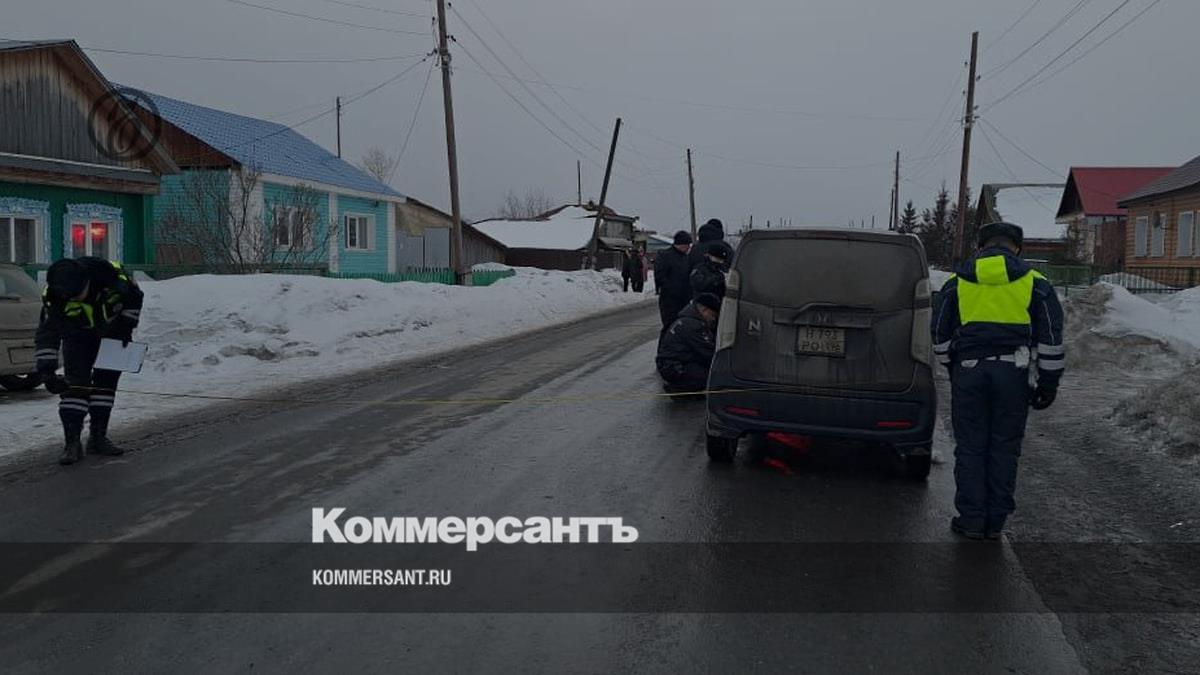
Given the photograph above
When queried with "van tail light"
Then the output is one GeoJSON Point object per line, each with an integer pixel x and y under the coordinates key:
{"type": "Point", "coordinates": [922, 341]}
{"type": "Point", "coordinates": [894, 424]}
{"type": "Point", "coordinates": [744, 412]}
{"type": "Point", "coordinates": [727, 325]}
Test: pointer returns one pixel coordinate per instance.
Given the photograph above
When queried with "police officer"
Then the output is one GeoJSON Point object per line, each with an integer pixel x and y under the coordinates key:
{"type": "Point", "coordinates": [992, 321]}
{"type": "Point", "coordinates": [86, 299]}
{"type": "Point", "coordinates": [685, 351]}
{"type": "Point", "coordinates": [671, 271]}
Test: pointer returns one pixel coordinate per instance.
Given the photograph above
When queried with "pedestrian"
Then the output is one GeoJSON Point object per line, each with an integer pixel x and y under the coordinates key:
{"type": "Point", "coordinates": [671, 271]}
{"type": "Point", "coordinates": [641, 253]}
{"type": "Point", "coordinates": [994, 319]}
{"type": "Point", "coordinates": [86, 299]}
{"type": "Point", "coordinates": [709, 275]}
{"type": "Point", "coordinates": [626, 269]}
{"type": "Point", "coordinates": [685, 351]}
{"type": "Point", "coordinates": [711, 235]}
{"type": "Point", "coordinates": [637, 267]}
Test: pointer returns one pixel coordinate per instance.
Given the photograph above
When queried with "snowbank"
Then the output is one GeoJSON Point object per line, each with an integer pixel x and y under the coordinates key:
{"type": "Point", "coordinates": [1109, 326]}
{"type": "Point", "coordinates": [243, 335]}
{"type": "Point", "coordinates": [1167, 414]}
{"type": "Point", "coordinates": [938, 278]}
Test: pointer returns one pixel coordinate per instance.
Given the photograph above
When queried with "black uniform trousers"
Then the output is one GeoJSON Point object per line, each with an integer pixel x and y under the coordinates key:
{"type": "Point", "coordinates": [91, 391]}
{"type": "Point", "coordinates": [989, 408]}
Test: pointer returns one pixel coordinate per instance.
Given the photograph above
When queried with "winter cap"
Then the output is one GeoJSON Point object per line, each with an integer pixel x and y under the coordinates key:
{"type": "Point", "coordinates": [718, 252]}
{"type": "Point", "coordinates": [66, 278]}
{"type": "Point", "coordinates": [712, 230]}
{"type": "Point", "coordinates": [709, 300]}
{"type": "Point", "coordinates": [1007, 231]}
{"type": "Point", "coordinates": [682, 238]}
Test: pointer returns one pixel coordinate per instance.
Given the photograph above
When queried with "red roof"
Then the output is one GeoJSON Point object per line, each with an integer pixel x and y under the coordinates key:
{"type": "Point", "coordinates": [1096, 190]}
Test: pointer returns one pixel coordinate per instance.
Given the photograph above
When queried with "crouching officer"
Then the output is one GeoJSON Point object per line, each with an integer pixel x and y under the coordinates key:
{"type": "Point", "coordinates": [685, 351]}
{"type": "Point", "coordinates": [993, 320]}
{"type": "Point", "coordinates": [86, 299]}
{"type": "Point", "coordinates": [708, 276]}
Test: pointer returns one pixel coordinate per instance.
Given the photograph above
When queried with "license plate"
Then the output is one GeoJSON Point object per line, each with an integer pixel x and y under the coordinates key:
{"type": "Point", "coordinates": [822, 341]}
{"type": "Point", "coordinates": [19, 356]}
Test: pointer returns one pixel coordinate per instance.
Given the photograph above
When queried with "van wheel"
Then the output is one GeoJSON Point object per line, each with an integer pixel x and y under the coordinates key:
{"type": "Point", "coordinates": [721, 449]}
{"type": "Point", "coordinates": [916, 467]}
{"type": "Point", "coordinates": [20, 382]}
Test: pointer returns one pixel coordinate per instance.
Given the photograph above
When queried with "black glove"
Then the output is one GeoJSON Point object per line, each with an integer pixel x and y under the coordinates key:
{"type": "Point", "coordinates": [55, 384]}
{"type": "Point", "coordinates": [1042, 398]}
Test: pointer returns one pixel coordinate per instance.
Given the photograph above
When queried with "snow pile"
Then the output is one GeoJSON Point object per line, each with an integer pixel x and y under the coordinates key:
{"type": "Point", "coordinates": [938, 278]}
{"type": "Point", "coordinates": [1108, 326]}
{"type": "Point", "coordinates": [243, 335]}
{"type": "Point", "coordinates": [1167, 413]}
{"type": "Point", "coordinates": [568, 230]}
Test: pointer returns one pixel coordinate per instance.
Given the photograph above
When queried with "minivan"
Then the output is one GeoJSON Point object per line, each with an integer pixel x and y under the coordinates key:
{"type": "Point", "coordinates": [825, 333]}
{"type": "Point", "coordinates": [20, 309]}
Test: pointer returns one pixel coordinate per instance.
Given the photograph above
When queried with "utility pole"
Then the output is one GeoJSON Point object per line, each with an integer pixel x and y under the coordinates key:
{"type": "Point", "coordinates": [960, 251]}
{"type": "Point", "coordinates": [691, 192]}
{"type": "Point", "coordinates": [895, 224]}
{"type": "Point", "coordinates": [593, 247]}
{"type": "Point", "coordinates": [339, 125]}
{"type": "Point", "coordinates": [461, 274]}
{"type": "Point", "coordinates": [579, 182]}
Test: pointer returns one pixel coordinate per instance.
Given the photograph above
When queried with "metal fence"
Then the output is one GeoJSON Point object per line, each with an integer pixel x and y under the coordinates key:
{"type": "Point", "coordinates": [422, 275]}
{"type": "Point", "coordinates": [1135, 279]}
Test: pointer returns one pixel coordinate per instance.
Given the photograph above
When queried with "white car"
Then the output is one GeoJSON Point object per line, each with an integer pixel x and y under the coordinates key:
{"type": "Point", "coordinates": [20, 309]}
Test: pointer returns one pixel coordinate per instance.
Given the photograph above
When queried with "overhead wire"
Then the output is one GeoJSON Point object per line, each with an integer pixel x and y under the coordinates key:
{"type": "Point", "coordinates": [312, 17]}
{"type": "Point", "coordinates": [1014, 24]}
{"type": "Point", "coordinates": [416, 113]}
{"type": "Point", "coordinates": [1022, 88]}
{"type": "Point", "coordinates": [1058, 24]}
{"type": "Point", "coordinates": [236, 59]}
{"type": "Point", "coordinates": [373, 8]}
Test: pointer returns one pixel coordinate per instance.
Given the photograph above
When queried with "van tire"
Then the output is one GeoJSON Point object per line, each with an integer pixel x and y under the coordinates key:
{"type": "Point", "coordinates": [721, 450]}
{"type": "Point", "coordinates": [20, 382]}
{"type": "Point", "coordinates": [916, 467]}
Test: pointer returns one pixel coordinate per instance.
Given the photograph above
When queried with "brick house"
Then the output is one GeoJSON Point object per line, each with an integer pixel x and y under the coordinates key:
{"type": "Point", "coordinates": [1162, 241]}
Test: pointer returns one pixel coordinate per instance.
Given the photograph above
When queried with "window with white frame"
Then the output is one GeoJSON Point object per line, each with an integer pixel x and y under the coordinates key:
{"type": "Point", "coordinates": [1141, 237]}
{"type": "Point", "coordinates": [1186, 243]}
{"type": "Point", "coordinates": [291, 228]}
{"type": "Point", "coordinates": [359, 233]}
{"type": "Point", "coordinates": [1158, 235]}
{"type": "Point", "coordinates": [19, 239]}
{"type": "Point", "coordinates": [93, 237]}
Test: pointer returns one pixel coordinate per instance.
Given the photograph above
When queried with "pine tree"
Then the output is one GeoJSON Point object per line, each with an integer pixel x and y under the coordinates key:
{"type": "Point", "coordinates": [908, 220]}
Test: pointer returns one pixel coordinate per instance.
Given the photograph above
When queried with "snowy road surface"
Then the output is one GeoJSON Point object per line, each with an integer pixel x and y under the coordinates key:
{"type": "Point", "coordinates": [591, 439]}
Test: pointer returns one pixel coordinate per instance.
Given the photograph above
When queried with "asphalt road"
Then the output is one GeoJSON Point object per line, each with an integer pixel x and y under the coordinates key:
{"type": "Point", "coordinates": [589, 438]}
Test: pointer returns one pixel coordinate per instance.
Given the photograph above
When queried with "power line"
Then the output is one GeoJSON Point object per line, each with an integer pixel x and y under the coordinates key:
{"type": "Point", "coordinates": [385, 83]}
{"type": "Point", "coordinates": [376, 9]}
{"type": "Point", "coordinates": [1089, 50]}
{"type": "Point", "coordinates": [416, 112]}
{"type": "Point", "coordinates": [232, 59]}
{"type": "Point", "coordinates": [1059, 24]}
{"type": "Point", "coordinates": [1019, 149]}
{"type": "Point", "coordinates": [1061, 54]}
{"type": "Point", "coordinates": [1011, 174]}
{"type": "Point", "coordinates": [1000, 38]}
{"type": "Point", "coordinates": [324, 19]}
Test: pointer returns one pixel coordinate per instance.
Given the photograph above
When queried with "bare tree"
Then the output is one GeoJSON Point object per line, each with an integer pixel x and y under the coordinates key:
{"type": "Point", "coordinates": [533, 204]}
{"type": "Point", "coordinates": [379, 164]}
{"type": "Point", "coordinates": [219, 222]}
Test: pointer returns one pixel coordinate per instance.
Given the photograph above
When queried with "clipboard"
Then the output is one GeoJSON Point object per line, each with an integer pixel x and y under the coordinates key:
{"type": "Point", "coordinates": [115, 356]}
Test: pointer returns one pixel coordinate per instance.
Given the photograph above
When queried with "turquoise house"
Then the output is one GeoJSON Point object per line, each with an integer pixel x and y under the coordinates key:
{"type": "Point", "coordinates": [244, 172]}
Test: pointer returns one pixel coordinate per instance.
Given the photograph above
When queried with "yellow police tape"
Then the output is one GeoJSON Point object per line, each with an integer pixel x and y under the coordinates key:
{"type": "Point", "coordinates": [542, 400]}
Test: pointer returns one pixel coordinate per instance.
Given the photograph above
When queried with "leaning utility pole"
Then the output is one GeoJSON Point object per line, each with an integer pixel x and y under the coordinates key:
{"type": "Point", "coordinates": [461, 274]}
{"type": "Point", "coordinates": [960, 228]}
{"type": "Point", "coordinates": [593, 261]}
{"type": "Point", "coordinates": [339, 125]}
{"type": "Point", "coordinates": [691, 192]}
{"type": "Point", "coordinates": [579, 182]}
{"type": "Point", "coordinates": [895, 223]}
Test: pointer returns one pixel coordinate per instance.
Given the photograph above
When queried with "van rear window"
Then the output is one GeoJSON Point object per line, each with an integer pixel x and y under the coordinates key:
{"type": "Point", "coordinates": [796, 272]}
{"type": "Point", "coordinates": [15, 283]}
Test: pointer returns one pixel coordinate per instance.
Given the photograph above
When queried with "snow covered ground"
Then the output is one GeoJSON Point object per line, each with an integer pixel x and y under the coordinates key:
{"type": "Point", "coordinates": [1152, 349]}
{"type": "Point", "coordinates": [244, 335]}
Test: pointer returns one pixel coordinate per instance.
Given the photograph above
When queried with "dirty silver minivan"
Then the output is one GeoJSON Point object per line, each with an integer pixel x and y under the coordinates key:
{"type": "Point", "coordinates": [825, 333]}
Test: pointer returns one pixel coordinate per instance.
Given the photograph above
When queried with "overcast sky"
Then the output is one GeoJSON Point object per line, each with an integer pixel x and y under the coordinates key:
{"type": "Point", "coordinates": [793, 108]}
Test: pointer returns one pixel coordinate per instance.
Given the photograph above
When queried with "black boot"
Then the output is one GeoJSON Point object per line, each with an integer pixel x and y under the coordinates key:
{"type": "Point", "coordinates": [73, 449]}
{"type": "Point", "coordinates": [98, 443]}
